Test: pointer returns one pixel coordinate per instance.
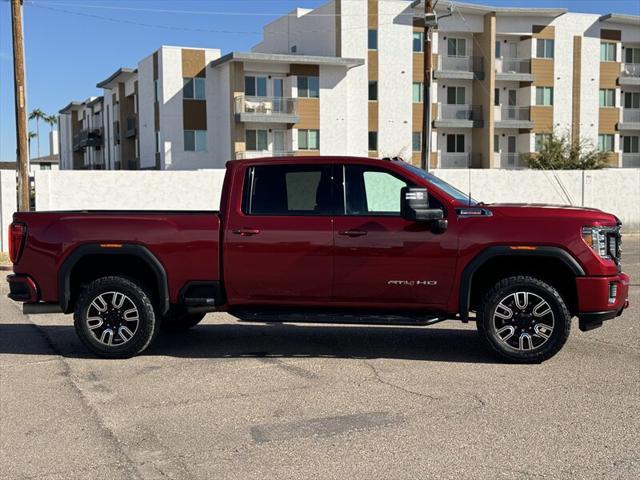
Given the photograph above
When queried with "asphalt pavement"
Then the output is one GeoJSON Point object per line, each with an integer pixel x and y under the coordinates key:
{"type": "Point", "coordinates": [236, 400]}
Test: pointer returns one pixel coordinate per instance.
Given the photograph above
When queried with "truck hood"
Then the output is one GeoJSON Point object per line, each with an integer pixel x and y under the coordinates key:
{"type": "Point", "coordinates": [536, 210]}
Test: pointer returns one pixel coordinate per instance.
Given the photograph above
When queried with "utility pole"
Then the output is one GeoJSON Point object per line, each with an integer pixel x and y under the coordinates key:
{"type": "Point", "coordinates": [430, 22]}
{"type": "Point", "coordinates": [21, 113]}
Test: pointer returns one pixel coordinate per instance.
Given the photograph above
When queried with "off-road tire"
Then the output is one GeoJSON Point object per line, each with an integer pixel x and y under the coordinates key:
{"type": "Point", "coordinates": [137, 298]}
{"type": "Point", "coordinates": [486, 322]}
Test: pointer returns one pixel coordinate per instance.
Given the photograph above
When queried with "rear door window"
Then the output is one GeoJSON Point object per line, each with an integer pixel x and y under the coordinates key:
{"type": "Point", "coordinates": [289, 190]}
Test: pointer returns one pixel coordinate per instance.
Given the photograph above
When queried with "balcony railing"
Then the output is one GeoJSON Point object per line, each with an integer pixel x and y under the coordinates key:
{"type": "Point", "coordinates": [631, 115]}
{"type": "Point", "coordinates": [276, 109]}
{"type": "Point", "coordinates": [87, 138]}
{"type": "Point", "coordinates": [512, 160]}
{"type": "Point", "coordinates": [631, 160]}
{"type": "Point", "coordinates": [451, 63]}
{"type": "Point", "coordinates": [459, 160]}
{"type": "Point", "coordinates": [515, 113]}
{"type": "Point", "coordinates": [631, 70]}
{"type": "Point", "coordinates": [262, 153]}
{"type": "Point", "coordinates": [513, 65]}
{"type": "Point", "coordinates": [459, 112]}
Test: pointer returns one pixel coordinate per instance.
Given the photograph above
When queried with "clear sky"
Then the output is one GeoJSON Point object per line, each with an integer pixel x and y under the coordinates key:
{"type": "Point", "coordinates": [70, 45]}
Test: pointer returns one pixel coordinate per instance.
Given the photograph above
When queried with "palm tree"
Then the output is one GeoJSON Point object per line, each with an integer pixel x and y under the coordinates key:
{"type": "Point", "coordinates": [31, 136]}
{"type": "Point", "coordinates": [37, 115]}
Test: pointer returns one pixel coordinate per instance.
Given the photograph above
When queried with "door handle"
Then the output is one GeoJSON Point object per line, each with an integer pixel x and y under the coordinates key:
{"type": "Point", "coordinates": [246, 232]}
{"type": "Point", "coordinates": [353, 233]}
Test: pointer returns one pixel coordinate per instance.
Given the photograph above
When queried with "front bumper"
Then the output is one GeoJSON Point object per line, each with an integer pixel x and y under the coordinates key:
{"type": "Point", "coordinates": [596, 302]}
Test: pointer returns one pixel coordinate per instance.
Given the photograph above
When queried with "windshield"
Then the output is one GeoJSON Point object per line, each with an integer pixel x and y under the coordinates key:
{"type": "Point", "coordinates": [441, 184]}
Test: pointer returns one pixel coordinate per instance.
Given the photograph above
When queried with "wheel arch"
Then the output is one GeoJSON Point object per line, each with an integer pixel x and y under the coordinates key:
{"type": "Point", "coordinates": [505, 252]}
{"type": "Point", "coordinates": [112, 252]}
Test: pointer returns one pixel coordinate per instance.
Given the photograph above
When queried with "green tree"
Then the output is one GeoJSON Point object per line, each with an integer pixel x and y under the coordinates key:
{"type": "Point", "coordinates": [31, 136]}
{"type": "Point", "coordinates": [52, 120]}
{"type": "Point", "coordinates": [558, 152]}
{"type": "Point", "coordinates": [37, 115]}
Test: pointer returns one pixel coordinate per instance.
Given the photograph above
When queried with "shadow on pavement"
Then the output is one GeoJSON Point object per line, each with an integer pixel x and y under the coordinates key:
{"type": "Point", "coordinates": [272, 340]}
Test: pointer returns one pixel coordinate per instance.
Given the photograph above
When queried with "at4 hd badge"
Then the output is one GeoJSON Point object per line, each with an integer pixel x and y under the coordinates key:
{"type": "Point", "coordinates": [412, 283]}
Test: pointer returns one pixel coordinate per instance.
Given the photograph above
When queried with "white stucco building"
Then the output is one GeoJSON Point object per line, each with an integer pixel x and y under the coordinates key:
{"type": "Point", "coordinates": [346, 80]}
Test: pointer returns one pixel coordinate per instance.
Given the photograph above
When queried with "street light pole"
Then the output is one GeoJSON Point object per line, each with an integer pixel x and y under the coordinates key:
{"type": "Point", "coordinates": [22, 150]}
{"type": "Point", "coordinates": [429, 23]}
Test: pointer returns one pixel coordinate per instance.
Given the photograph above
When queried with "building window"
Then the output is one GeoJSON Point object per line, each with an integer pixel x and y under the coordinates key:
{"type": "Point", "coordinates": [308, 140]}
{"type": "Point", "coordinates": [255, 86]}
{"type": "Point", "coordinates": [416, 141]}
{"type": "Point", "coordinates": [496, 144]}
{"type": "Point", "coordinates": [373, 141]}
{"type": "Point", "coordinates": [418, 42]}
{"type": "Point", "coordinates": [496, 97]}
{"type": "Point", "coordinates": [156, 90]}
{"type": "Point", "coordinates": [544, 95]}
{"type": "Point", "coordinates": [256, 140]}
{"type": "Point", "coordinates": [632, 55]}
{"type": "Point", "coordinates": [455, 143]}
{"type": "Point", "coordinates": [456, 47]}
{"type": "Point", "coordinates": [540, 140]}
{"type": "Point", "coordinates": [193, 88]}
{"type": "Point", "coordinates": [456, 95]}
{"type": "Point", "coordinates": [607, 97]}
{"type": "Point", "coordinates": [373, 39]}
{"type": "Point", "coordinates": [158, 142]}
{"type": "Point", "coordinates": [631, 144]}
{"type": "Point", "coordinates": [605, 142]}
{"type": "Point", "coordinates": [195, 140]}
{"type": "Point", "coordinates": [373, 90]}
{"type": "Point", "coordinates": [607, 52]}
{"type": "Point", "coordinates": [498, 49]}
{"type": "Point", "coordinates": [47, 166]}
{"type": "Point", "coordinates": [631, 100]}
{"type": "Point", "coordinates": [308, 87]}
{"type": "Point", "coordinates": [544, 48]}
{"type": "Point", "coordinates": [417, 92]}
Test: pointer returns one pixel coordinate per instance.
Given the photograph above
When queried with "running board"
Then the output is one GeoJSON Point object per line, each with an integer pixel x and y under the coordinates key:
{"type": "Point", "coordinates": [349, 318]}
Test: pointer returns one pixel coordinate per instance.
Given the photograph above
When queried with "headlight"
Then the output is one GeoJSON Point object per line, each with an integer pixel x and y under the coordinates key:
{"type": "Point", "coordinates": [603, 240]}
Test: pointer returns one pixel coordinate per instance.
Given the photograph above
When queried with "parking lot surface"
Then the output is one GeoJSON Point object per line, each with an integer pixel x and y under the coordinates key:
{"type": "Point", "coordinates": [236, 400]}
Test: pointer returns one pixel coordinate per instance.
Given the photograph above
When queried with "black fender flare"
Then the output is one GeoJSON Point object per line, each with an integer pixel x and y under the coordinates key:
{"type": "Point", "coordinates": [488, 253]}
{"type": "Point", "coordinates": [139, 251]}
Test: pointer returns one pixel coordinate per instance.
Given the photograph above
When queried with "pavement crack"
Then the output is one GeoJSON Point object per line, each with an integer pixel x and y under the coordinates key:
{"type": "Point", "coordinates": [378, 377]}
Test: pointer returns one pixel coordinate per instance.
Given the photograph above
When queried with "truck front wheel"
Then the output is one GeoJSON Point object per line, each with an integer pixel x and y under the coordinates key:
{"type": "Point", "coordinates": [114, 318]}
{"type": "Point", "coordinates": [524, 319]}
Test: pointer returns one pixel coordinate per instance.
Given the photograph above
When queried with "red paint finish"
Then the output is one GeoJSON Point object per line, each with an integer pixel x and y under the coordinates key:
{"type": "Point", "coordinates": [364, 261]}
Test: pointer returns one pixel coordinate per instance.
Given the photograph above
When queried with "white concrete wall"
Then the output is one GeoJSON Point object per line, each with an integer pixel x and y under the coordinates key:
{"type": "Point", "coordinates": [613, 190]}
{"type": "Point", "coordinates": [8, 205]}
{"type": "Point", "coordinates": [146, 133]}
{"type": "Point", "coordinates": [127, 190]}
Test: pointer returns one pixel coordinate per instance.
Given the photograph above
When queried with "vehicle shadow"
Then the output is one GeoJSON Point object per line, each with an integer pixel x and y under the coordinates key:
{"type": "Point", "coordinates": [244, 340]}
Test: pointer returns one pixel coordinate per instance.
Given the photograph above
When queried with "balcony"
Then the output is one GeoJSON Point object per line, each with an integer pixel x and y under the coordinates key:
{"type": "Point", "coordinates": [460, 67]}
{"type": "Point", "coordinates": [630, 160]}
{"type": "Point", "coordinates": [630, 119]}
{"type": "Point", "coordinates": [630, 74]}
{"type": "Point", "coordinates": [130, 131]}
{"type": "Point", "coordinates": [514, 69]}
{"type": "Point", "coordinates": [459, 116]}
{"type": "Point", "coordinates": [509, 116]}
{"type": "Point", "coordinates": [87, 138]}
{"type": "Point", "coordinates": [262, 154]}
{"type": "Point", "coordinates": [266, 109]}
{"type": "Point", "coordinates": [459, 160]}
{"type": "Point", "coordinates": [511, 160]}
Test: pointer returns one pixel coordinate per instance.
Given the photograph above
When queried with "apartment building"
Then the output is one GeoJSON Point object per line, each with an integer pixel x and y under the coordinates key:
{"type": "Point", "coordinates": [346, 78]}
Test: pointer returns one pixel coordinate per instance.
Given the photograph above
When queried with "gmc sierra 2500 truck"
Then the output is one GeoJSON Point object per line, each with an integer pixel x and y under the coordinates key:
{"type": "Point", "coordinates": [325, 239]}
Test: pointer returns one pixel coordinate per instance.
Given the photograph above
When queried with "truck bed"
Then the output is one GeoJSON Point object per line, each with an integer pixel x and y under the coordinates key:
{"type": "Point", "coordinates": [185, 243]}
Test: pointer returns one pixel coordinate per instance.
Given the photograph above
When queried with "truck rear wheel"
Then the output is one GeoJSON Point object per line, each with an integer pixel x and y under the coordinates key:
{"type": "Point", "coordinates": [524, 319]}
{"type": "Point", "coordinates": [114, 318]}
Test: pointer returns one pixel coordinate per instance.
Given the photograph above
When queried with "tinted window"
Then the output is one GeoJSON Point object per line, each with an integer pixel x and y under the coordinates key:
{"type": "Point", "coordinates": [371, 191]}
{"type": "Point", "coordinates": [289, 190]}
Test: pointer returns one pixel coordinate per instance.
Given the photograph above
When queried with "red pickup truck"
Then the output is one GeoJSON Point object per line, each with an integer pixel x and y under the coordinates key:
{"type": "Point", "coordinates": [325, 239]}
